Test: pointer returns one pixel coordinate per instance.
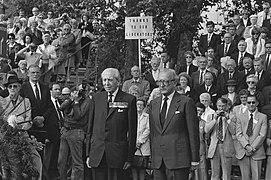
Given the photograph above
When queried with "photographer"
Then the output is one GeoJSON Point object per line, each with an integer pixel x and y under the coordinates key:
{"type": "Point", "coordinates": [221, 149]}
{"type": "Point", "coordinates": [75, 111]}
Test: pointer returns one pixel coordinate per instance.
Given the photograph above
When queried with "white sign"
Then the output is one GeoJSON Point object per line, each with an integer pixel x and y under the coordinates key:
{"type": "Point", "coordinates": [138, 27]}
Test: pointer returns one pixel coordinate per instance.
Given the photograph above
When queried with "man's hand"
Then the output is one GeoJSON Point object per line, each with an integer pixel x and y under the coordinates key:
{"type": "Point", "coordinates": [268, 142]}
{"type": "Point", "coordinates": [194, 166]}
{"type": "Point", "coordinates": [138, 145]}
{"type": "Point", "coordinates": [126, 165]}
{"type": "Point", "coordinates": [75, 96]}
{"type": "Point", "coordinates": [249, 150]}
{"type": "Point", "coordinates": [87, 162]}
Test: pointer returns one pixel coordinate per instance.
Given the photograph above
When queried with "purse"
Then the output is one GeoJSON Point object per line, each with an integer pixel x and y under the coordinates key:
{"type": "Point", "coordinates": [140, 161]}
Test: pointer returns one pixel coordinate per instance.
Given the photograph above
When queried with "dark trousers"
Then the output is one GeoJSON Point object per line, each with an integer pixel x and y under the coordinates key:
{"type": "Point", "coordinates": [103, 172]}
{"type": "Point", "coordinates": [163, 173]}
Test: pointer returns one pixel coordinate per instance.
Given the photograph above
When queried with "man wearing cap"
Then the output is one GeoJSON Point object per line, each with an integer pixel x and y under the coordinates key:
{"type": "Point", "coordinates": [41, 105]}
{"type": "Point", "coordinates": [48, 58]}
{"type": "Point", "coordinates": [31, 57]}
{"type": "Point", "coordinates": [22, 107]}
{"type": "Point", "coordinates": [253, 20]}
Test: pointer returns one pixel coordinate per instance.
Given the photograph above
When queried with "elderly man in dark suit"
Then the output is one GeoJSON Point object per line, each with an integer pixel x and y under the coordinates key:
{"type": "Point", "coordinates": [241, 54]}
{"type": "Point", "coordinates": [263, 76]}
{"type": "Point", "coordinates": [112, 130]}
{"type": "Point", "coordinates": [239, 27]}
{"type": "Point", "coordinates": [210, 39]}
{"type": "Point", "coordinates": [174, 131]}
{"type": "Point", "coordinates": [197, 77]}
{"type": "Point", "coordinates": [227, 48]}
{"type": "Point", "coordinates": [41, 105]}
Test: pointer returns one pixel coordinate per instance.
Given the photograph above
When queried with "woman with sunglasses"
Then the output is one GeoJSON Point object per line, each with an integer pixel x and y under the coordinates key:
{"type": "Point", "coordinates": [252, 81]}
{"type": "Point", "coordinates": [255, 44]}
{"type": "Point", "coordinates": [189, 68]}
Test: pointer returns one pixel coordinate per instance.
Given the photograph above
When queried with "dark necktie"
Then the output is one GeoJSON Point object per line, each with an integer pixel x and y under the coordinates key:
{"type": "Point", "coordinates": [13, 102]}
{"type": "Point", "coordinates": [250, 126]}
{"type": "Point", "coordinates": [37, 92]}
{"type": "Point", "coordinates": [165, 65]}
{"type": "Point", "coordinates": [220, 129]}
{"type": "Point", "coordinates": [226, 49]}
{"type": "Point", "coordinates": [163, 112]}
{"type": "Point", "coordinates": [201, 78]}
{"type": "Point", "coordinates": [110, 100]}
{"type": "Point", "coordinates": [267, 60]}
{"type": "Point", "coordinates": [241, 60]}
{"type": "Point", "coordinates": [58, 110]}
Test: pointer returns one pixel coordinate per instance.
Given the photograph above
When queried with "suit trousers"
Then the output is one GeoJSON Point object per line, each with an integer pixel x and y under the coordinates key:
{"type": "Point", "coordinates": [218, 160]}
{"type": "Point", "coordinates": [163, 173]}
{"type": "Point", "coordinates": [268, 168]}
{"type": "Point", "coordinates": [71, 141]}
{"type": "Point", "coordinates": [249, 167]}
{"type": "Point", "coordinates": [103, 172]}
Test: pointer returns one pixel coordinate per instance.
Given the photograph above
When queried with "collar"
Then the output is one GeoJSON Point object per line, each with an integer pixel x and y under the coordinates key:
{"type": "Point", "coordinates": [136, 81]}
{"type": "Point", "coordinates": [114, 93]}
{"type": "Point", "coordinates": [54, 99]}
{"type": "Point", "coordinates": [254, 114]}
{"type": "Point", "coordinates": [33, 84]}
{"type": "Point", "coordinates": [187, 89]}
{"type": "Point", "coordinates": [169, 96]}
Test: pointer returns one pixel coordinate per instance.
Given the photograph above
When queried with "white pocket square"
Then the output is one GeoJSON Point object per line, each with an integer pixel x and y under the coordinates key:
{"type": "Point", "coordinates": [177, 112]}
{"type": "Point", "coordinates": [120, 110]}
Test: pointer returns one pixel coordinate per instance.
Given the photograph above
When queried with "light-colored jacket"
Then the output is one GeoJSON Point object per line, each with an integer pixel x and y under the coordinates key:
{"type": "Point", "coordinates": [260, 49]}
{"type": "Point", "coordinates": [256, 140]}
{"type": "Point", "coordinates": [228, 131]}
{"type": "Point", "coordinates": [23, 104]}
{"type": "Point", "coordinates": [143, 132]}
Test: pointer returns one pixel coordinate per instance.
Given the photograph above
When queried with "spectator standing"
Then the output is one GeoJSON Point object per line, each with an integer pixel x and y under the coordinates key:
{"type": "Point", "coordinates": [239, 27]}
{"type": "Point", "coordinates": [267, 57]}
{"type": "Point", "coordinates": [184, 87]}
{"type": "Point", "coordinates": [143, 85]}
{"type": "Point", "coordinates": [41, 105]}
{"type": "Point", "coordinates": [112, 117]}
{"type": "Point", "coordinates": [221, 149]}
{"type": "Point", "coordinates": [189, 68]}
{"type": "Point", "coordinates": [174, 131]}
{"type": "Point", "coordinates": [198, 76]}
{"type": "Point", "coordinates": [48, 58]}
{"type": "Point", "coordinates": [251, 129]}
{"type": "Point", "coordinates": [264, 14]}
{"type": "Point", "coordinates": [245, 18]}
{"type": "Point", "coordinates": [142, 140]}
{"type": "Point", "coordinates": [78, 37]}
{"type": "Point", "coordinates": [263, 77]}
{"type": "Point", "coordinates": [255, 44]}
{"type": "Point", "coordinates": [31, 57]}
{"type": "Point", "coordinates": [248, 66]}
{"type": "Point", "coordinates": [49, 19]}
{"type": "Point", "coordinates": [248, 31]}
{"type": "Point", "coordinates": [210, 39]}
{"type": "Point", "coordinates": [205, 99]}
{"type": "Point", "coordinates": [35, 12]}
{"type": "Point", "coordinates": [227, 48]}
{"type": "Point", "coordinates": [35, 33]}
{"type": "Point", "coordinates": [76, 114]}
{"type": "Point", "coordinates": [21, 71]}
{"type": "Point", "coordinates": [241, 54]}
{"type": "Point", "coordinates": [152, 75]}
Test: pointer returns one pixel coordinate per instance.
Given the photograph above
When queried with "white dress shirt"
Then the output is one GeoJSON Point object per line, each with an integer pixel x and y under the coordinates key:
{"type": "Point", "coordinates": [168, 101]}
{"type": "Point", "coordinates": [34, 88]}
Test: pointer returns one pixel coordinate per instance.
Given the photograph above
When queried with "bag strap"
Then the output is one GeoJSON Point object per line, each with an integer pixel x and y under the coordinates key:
{"type": "Point", "coordinates": [140, 151]}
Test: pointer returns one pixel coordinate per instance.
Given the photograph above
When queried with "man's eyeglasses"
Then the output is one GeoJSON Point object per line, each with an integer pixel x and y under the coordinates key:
{"type": "Point", "coordinates": [254, 33]}
{"type": "Point", "coordinates": [160, 82]}
{"type": "Point", "coordinates": [13, 86]}
{"type": "Point", "coordinates": [250, 82]}
{"type": "Point", "coordinates": [11, 38]}
{"type": "Point", "coordinates": [188, 56]}
{"type": "Point", "coordinates": [251, 102]}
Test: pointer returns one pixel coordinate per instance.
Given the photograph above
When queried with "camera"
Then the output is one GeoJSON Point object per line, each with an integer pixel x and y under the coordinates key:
{"type": "Point", "coordinates": [221, 114]}
{"type": "Point", "coordinates": [82, 92]}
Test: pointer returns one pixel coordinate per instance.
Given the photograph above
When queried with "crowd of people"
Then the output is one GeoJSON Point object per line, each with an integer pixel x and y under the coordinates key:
{"type": "Point", "coordinates": [179, 121]}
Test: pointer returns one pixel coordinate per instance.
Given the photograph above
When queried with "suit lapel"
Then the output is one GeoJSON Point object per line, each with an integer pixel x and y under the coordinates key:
{"type": "Point", "coordinates": [171, 111]}
{"type": "Point", "coordinates": [156, 112]}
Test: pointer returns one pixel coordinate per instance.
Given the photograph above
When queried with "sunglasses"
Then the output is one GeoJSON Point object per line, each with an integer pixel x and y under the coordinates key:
{"type": "Point", "coordinates": [188, 56]}
{"type": "Point", "coordinates": [11, 38]}
{"type": "Point", "coordinates": [254, 33]}
{"type": "Point", "coordinates": [250, 82]}
{"type": "Point", "coordinates": [251, 102]}
{"type": "Point", "coordinates": [13, 86]}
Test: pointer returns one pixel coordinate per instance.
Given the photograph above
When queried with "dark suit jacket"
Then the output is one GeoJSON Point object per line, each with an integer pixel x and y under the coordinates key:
{"type": "Point", "coordinates": [264, 81]}
{"type": "Point", "coordinates": [268, 69]}
{"type": "Point", "coordinates": [180, 69]}
{"type": "Point", "coordinates": [36, 38]}
{"type": "Point", "coordinates": [250, 72]}
{"type": "Point", "coordinates": [87, 27]}
{"type": "Point", "coordinates": [240, 30]}
{"type": "Point", "coordinates": [108, 131]}
{"type": "Point", "coordinates": [53, 125]}
{"type": "Point", "coordinates": [236, 57]}
{"type": "Point", "coordinates": [266, 23]}
{"type": "Point", "coordinates": [203, 42]}
{"type": "Point", "coordinates": [220, 50]}
{"type": "Point", "coordinates": [236, 39]}
{"type": "Point", "coordinates": [177, 143]}
{"type": "Point", "coordinates": [213, 92]}
{"type": "Point", "coordinates": [266, 91]}
{"type": "Point", "coordinates": [151, 80]}
{"type": "Point", "coordinates": [43, 108]}
{"type": "Point", "coordinates": [224, 77]}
